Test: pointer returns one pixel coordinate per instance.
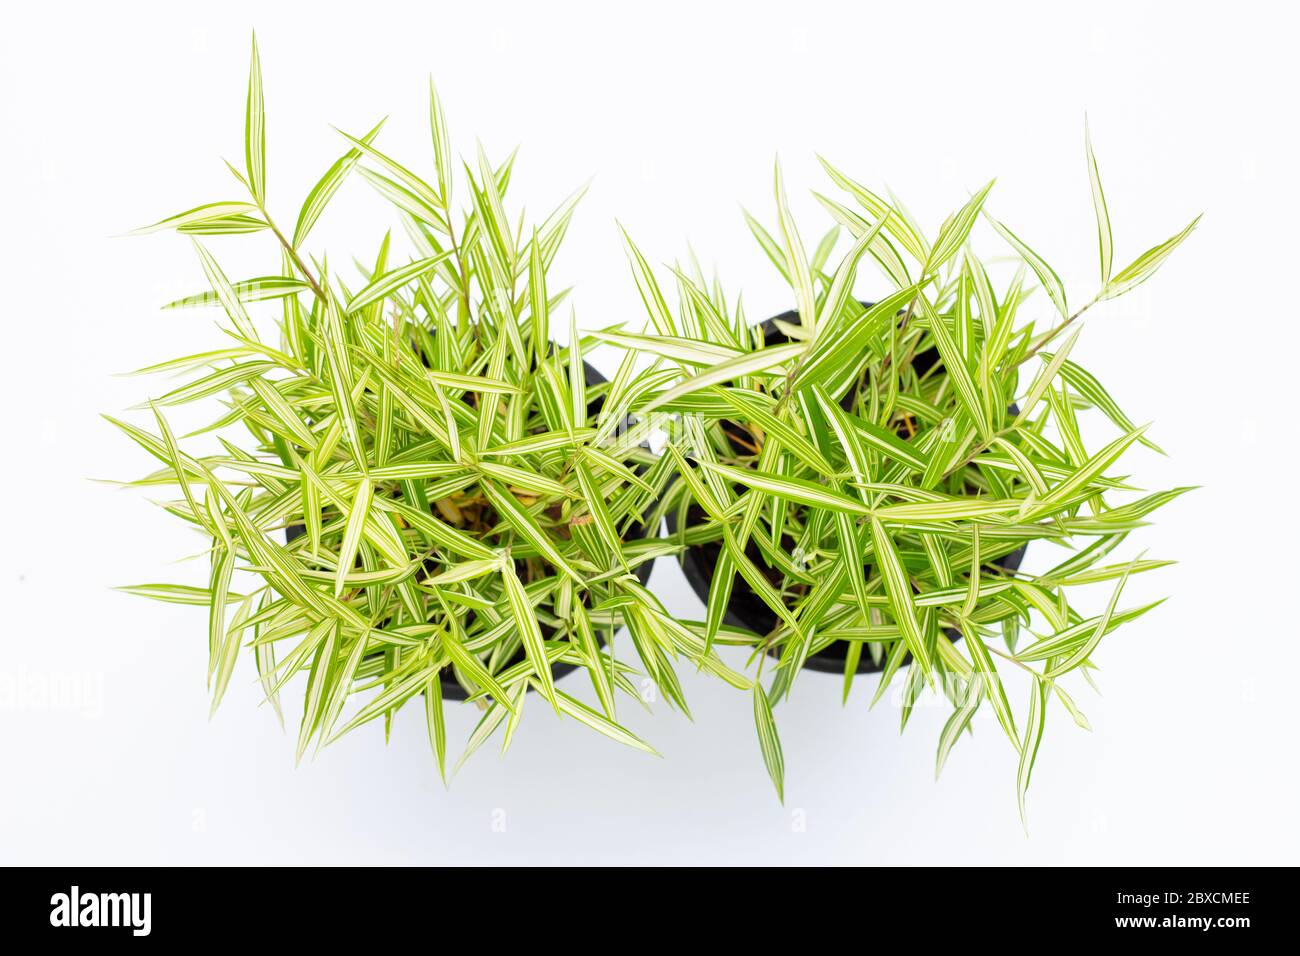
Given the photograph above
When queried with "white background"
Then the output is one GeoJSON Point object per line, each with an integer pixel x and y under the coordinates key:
{"type": "Point", "coordinates": [115, 115]}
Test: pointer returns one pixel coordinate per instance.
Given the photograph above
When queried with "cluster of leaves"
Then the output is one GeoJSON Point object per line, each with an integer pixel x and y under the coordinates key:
{"type": "Point", "coordinates": [437, 500]}
{"type": "Point", "coordinates": [434, 496]}
{"type": "Point", "coordinates": [883, 468]}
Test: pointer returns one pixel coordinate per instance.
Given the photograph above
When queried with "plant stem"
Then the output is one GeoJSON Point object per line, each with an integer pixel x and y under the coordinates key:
{"type": "Point", "coordinates": [1053, 333]}
{"type": "Point", "coordinates": [293, 254]}
{"type": "Point", "coordinates": [1023, 666]}
{"type": "Point", "coordinates": [462, 306]}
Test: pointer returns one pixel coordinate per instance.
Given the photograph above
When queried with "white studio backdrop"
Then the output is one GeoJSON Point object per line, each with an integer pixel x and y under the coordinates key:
{"type": "Point", "coordinates": [114, 117]}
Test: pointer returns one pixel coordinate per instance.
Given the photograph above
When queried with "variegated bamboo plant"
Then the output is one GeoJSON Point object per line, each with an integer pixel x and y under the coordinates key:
{"type": "Point", "coordinates": [858, 481]}
{"type": "Point", "coordinates": [430, 499]}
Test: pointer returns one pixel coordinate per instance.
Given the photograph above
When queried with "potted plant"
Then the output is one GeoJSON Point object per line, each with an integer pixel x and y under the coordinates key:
{"type": "Point", "coordinates": [431, 499]}
{"type": "Point", "coordinates": [857, 482]}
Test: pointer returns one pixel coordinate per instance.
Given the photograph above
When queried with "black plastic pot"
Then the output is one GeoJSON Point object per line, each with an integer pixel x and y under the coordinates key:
{"type": "Point", "coordinates": [746, 609]}
{"type": "Point", "coordinates": [451, 689]}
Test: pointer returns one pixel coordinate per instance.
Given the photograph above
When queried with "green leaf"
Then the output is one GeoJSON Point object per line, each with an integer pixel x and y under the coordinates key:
{"type": "Point", "coordinates": [1052, 364]}
{"type": "Point", "coordinates": [486, 726]}
{"type": "Point", "coordinates": [526, 480]}
{"type": "Point", "coordinates": [352, 535]}
{"type": "Point", "coordinates": [394, 695]}
{"type": "Point", "coordinates": [492, 218]}
{"type": "Point", "coordinates": [1105, 243]}
{"type": "Point", "coordinates": [842, 284]}
{"type": "Point", "coordinates": [469, 383]}
{"type": "Point", "coordinates": [225, 293]}
{"type": "Point", "coordinates": [529, 632]}
{"type": "Point", "coordinates": [599, 666]}
{"type": "Point", "coordinates": [768, 245]}
{"type": "Point", "coordinates": [541, 442]}
{"type": "Point", "coordinates": [1051, 282]}
{"type": "Point", "coordinates": [538, 305]}
{"type": "Point", "coordinates": [287, 420]}
{"type": "Point", "coordinates": [255, 129]}
{"type": "Point", "coordinates": [1068, 640]}
{"type": "Point", "coordinates": [899, 589]}
{"type": "Point", "coordinates": [342, 682]}
{"type": "Point", "coordinates": [248, 290]}
{"type": "Point", "coordinates": [842, 425]}
{"type": "Point", "coordinates": [340, 378]}
{"type": "Point", "coordinates": [264, 657]}
{"type": "Point", "coordinates": [384, 285]}
{"type": "Point", "coordinates": [1085, 650]}
{"type": "Point", "coordinates": [896, 225]}
{"type": "Point", "coordinates": [795, 257]}
{"type": "Point", "coordinates": [437, 724]}
{"type": "Point", "coordinates": [1087, 385]}
{"type": "Point", "coordinates": [327, 186]}
{"type": "Point", "coordinates": [720, 588]}
{"type": "Point", "coordinates": [417, 186]}
{"type": "Point", "coordinates": [525, 525]}
{"type": "Point", "coordinates": [1029, 744]}
{"type": "Point", "coordinates": [886, 441]}
{"type": "Point", "coordinates": [838, 351]}
{"type": "Point", "coordinates": [799, 490]}
{"type": "Point", "coordinates": [176, 594]}
{"type": "Point", "coordinates": [464, 571]}
{"type": "Point", "coordinates": [995, 692]}
{"type": "Point", "coordinates": [441, 144]}
{"type": "Point", "coordinates": [218, 381]}
{"type": "Point", "coordinates": [881, 249]}
{"type": "Point", "coordinates": [953, 509]}
{"type": "Point", "coordinates": [702, 494]}
{"type": "Point", "coordinates": [177, 461]}
{"type": "Point", "coordinates": [1145, 265]}
{"type": "Point", "coordinates": [577, 375]}
{"type": "Point", "coordinates": [680, 350]}
{"type": "Point", "coordinates": [1107, 573]}
{"type": "Point", "coordinates": [851, 554]}
{"type": "Point", "coordinates": [213, 212]}
{"type": "Point", "coordinates": [225, 226]}
{"type": "Point", "coordinates": [769, 360]}
{"type": "Point", "coordinates": [956, 230]}
{"type": "Point", "coordinates": [317, 686]}
{"type": "Point", "coordinates": [443, 534]}
{"type": "Point", "coordinates": [1085, 475]}
{"type": "Point", "coordinates": [471, 666]}
{"type": "Point", "coordinates": [223, 566]}
{"type": "Point", "coordinates": [959, 371]}
{"type": "Point", "coordinates": [651, 295]}
{"type": "Point", "coordinates": [584, 714]}
{"type": "Point", "coordinates": [958, 722]}
{"type": "Point", "coordinates": [750, 406]}
{"type": "Point", "coordinates": [599, 512]}
{"type": "Point", "coordinates": [419, 209]}
{"type": "Point", "coordinates": [768, 741]}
